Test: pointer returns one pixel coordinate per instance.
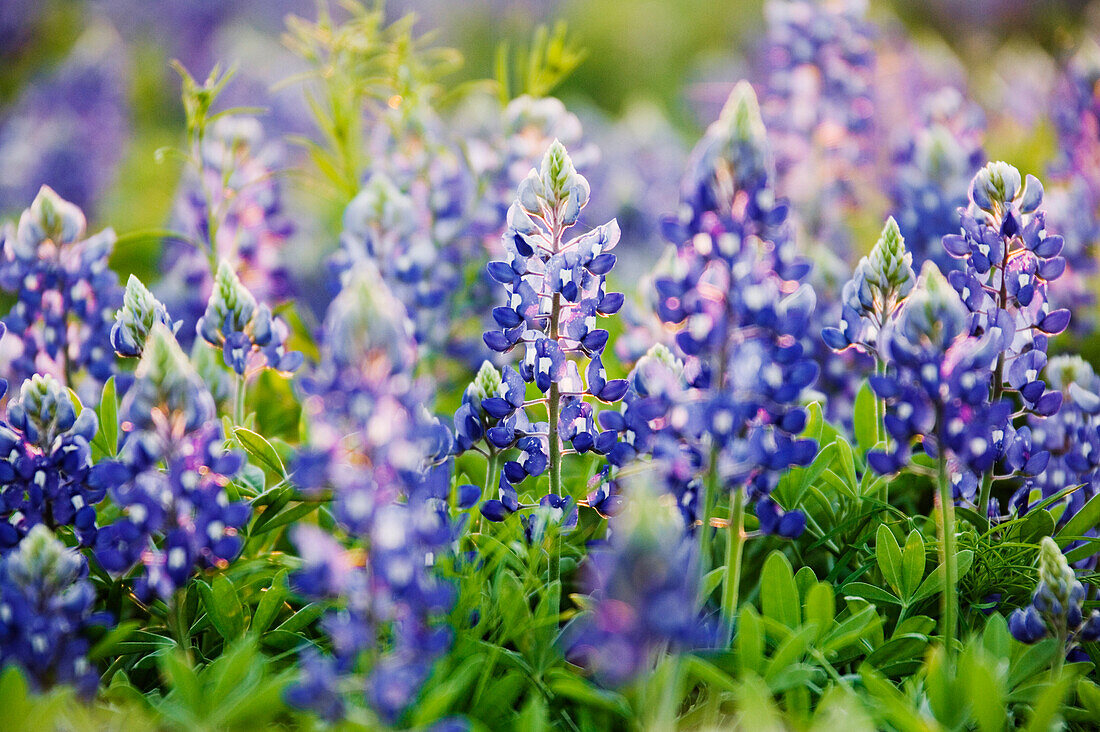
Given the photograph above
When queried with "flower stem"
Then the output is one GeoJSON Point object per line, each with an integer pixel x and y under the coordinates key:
{"type": "Point", "coordinates": [949, 558]}
{"type": "Point", "coordinates": [995, 396]}
{"type": "Point", "coordinates": [710, 484]}
{"type": "Point", "coordinates": [553, 408]}
{"type": "Point", "coordinates": [238, 400]}
{"type": "Point", "coordinates": [880, 421]}
{"type": "Point", "coordinates": [735, 546]}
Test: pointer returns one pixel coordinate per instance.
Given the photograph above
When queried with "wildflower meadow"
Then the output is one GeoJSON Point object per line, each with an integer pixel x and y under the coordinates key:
{"type": "Point", "coordinates": [535, 366]}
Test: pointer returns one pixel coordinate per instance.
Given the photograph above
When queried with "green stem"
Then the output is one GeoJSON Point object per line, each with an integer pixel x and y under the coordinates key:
{"type": "Point", "coordinates": [735, 547]}
{"type": "Point", "coordinates": [987, 479]}
{"type": "Point", "coordinates": [710, 488]}
{"type": "Point", "coordinates": [553, 407]}
{"type": "Point", "coordinates": [238, 400]}
{"type": "Point", "coordinates": [880, 422]}
{"type": "Point", "coordinates": [949, 558]}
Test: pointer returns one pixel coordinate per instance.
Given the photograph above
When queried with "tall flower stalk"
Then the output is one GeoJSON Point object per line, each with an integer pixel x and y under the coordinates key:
{"type": "Point", "coordinates": [556, 289]}
{"type": "Point", "coordinates": [1009, 260]}
{"type": "Point", "coordinates": [735, 298]}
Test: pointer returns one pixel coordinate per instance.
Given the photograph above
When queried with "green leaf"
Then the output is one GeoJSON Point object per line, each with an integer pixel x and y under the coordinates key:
{"type": "Point", "coordinates": [851, 630]}
{"type": "Point", "coordinates": [534, 717]}
{"type": "Point", "coordinates": [260, 451]}
{"type": "Point", "coordinates": [778, 592]}
{"type": "Point", "coordinates": [1036, 525]}
{"type": "Point", "coordinates": [223, 607]}
{"type": "Point", "coordinates": [1084, 520]}
{"type": "Point", "coordinates": [888, 556]}
{"type": "Point", "coordinates": [912, 564]}
{"type": "Point", "coordinates": [750, 641]}
{"type": "Point", "coordinates": [110, 642]}
{"type": "Point", "coordinates": [576, 689]}
{"type": "Point", "coordinates": [712, 579]}
{"type": "Point", "coordinates": [933, 583]}
{"type": "Point", "coordinates": [788, 652]}
{"type": "Point", "coordinates": [286, 517]}
{"type": "Point", "coordinates": [864, 422]}
{"type": "Point", "coordinates": [271, 601]}
{"type": "Point", "coordinates": [302, 618]}
{"type": "Point", "coordinates": [107, 436]}
{"type": "Point", "coordinates": [820, 608]}
{"type": "Point", "coordinates": [437, 700]}
{"type": "Point", "coordinates": [814, 421]}
{"type": "Point", "coordinates": [1088, 694]}
{"type": "Point", "coordinates": [182, 678]}
{"type": "Point", "coordinates": [848, 465]}
{"type": "Point", "coordinates": [869, 592]}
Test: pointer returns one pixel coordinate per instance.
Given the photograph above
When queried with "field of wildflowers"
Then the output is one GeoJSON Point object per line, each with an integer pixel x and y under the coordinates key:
{"type": "Point", "coordinates": [348, 386]}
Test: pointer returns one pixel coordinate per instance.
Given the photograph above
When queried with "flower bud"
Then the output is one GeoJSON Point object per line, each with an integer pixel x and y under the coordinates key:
{"type": "Point", "coordinates": [140, 309]}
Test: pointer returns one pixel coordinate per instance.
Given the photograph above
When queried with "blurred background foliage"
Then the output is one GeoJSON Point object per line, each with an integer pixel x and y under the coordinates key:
{"type": "Point", "coordinates": [679, 57]}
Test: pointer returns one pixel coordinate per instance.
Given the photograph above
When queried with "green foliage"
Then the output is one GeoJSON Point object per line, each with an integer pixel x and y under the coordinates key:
{"type": "Point", "coordinates": [551, 58]}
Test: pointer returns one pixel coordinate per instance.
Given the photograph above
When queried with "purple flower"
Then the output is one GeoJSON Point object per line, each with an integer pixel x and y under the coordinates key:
{"type": "Point", "coordinates": [645, 594]}
{"type": "Point", "coordinates": [46, 609]}
{"type": "Point", "coordinates": [243, 329]}
{"type": "Point", "coordinates": [734, 296]}
{"type": "Point", "coordinates": [230, 209]}
{"type": "Point", "coordinates": [66, 294]}
{"type": "Point", "coordinates": [46, 469]}
{"type": "Point", "coordinates": [1055, 608]}
{"type": "Point", "coordinates": [385, 460]}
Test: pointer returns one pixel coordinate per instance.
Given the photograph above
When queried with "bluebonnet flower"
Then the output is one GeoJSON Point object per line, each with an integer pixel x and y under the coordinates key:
{"type": "Point", "coordinates": [557, 293]}
{"type": "Point", "coordinates": [1055, 609]}
{"type": "Point", "coordinates": [230, 209]}
{"type": "Point", "coordinates": [46, 608]}
{"type": "Point", "coordinates": [383, 223]}
{"type": "Point", "coordinates": [385, 459]}
{"type": "Point", "coordinates": [734, 294]}
{"type": "Point", "coordinates": [645, 593]}
{"type": "Point", "coordinates": [881, 281]}
{"type": "Point", "coordinates": [68, 130]}
{"type": "Point", "coordinates": [937, 383]}
{"type": "Point", "coordinates": [931, 173]}
{"type": "Point", "coordinates": [66, 294]}
{"type": "Point", "coordinates": [819, 107]}
{"type": "Point", "coordinates": [242, 328]}
{"type": "Point", "coordinates": [176, 517]}
{"type": "Point", "coordinates": [133, 321]}
{"type": "Point", "coordinates": [46, 464]}
{"type": "Point", "coordinates": [512, 143]}
{"type": "Point", "coordinates": [1072, 438]}
{"type": "Point", "coordinates": [1009, 260]}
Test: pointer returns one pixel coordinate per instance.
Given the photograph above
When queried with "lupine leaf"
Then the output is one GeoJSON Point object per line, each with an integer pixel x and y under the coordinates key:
{"type": "Point", "coordinates": [778, 592]}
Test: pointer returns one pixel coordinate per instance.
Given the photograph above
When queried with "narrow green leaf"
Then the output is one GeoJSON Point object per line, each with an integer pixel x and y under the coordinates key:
{"type": "Point", "coordinates": [888, 556]}
{"type": "Point", "coordinates": [260, 451]}
{"type": "Point", "coordinates": [108, 417]}
{"type": "Point", "coordinates": [863, 419]}
{"type": "Point", "coordinates": [871, 593]}
{"type": "Point", "coordinates": [778, 592]}
{"type": "Point", "coordinates": [271, 601]}
{"type": "Point", "coordinates": [1084, 520]}
{"type": "Point", "coordinates": [912, 564]}
{"type": "Point", "coordinates": [223, 607]}
{"type": "Point", "coordinates": [933, 583]}
{"type": "Point", "coordinates": [750, 641]}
